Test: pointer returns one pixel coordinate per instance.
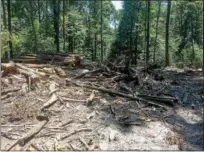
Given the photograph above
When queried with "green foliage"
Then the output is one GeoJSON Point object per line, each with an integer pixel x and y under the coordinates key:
{"type": "Point", "coordinates": [31, 32]}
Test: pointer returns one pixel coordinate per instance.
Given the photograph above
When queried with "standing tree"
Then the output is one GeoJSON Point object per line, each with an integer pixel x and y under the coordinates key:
{"type": "Point", "coordinates": [102, 31]}
{"type": "Point", "coordinates": [148, 33]}
{"type": "Point", "coordinates": [203, 38]}
{"type": "Point", "coordinates": [4, 14]}
{"type": "Point", "coordinates": [56, 22]}
{"type": "Point", "coordinates": [9, 28]}
{"type": "Point", "coordinates": [157, 22]}
{"type": "Point", "coordinates": [167, 34]}
{"type": "Point", "coordinates": [64, 25]}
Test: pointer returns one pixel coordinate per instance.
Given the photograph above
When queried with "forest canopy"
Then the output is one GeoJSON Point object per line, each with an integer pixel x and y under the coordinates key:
{"type": "Point", "coordinates": [161, 32]}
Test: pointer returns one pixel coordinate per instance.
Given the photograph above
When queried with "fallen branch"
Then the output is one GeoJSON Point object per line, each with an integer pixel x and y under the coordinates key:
{"type": "Point", "coordinates": [74, 132]}
{"type": "Point", "coordinates": [66, 123]}
{"type": "Point", "coordinates": [84, 143]}
{"type": "Point", "coordinates": [116, 93]}
{"type": "Point", "coordinates": [168, 100]}
{"type": "Point", "coordinates": [6, 96]}
{"type": "Point", "coordinates": [29, 135]}
{"type": "Point", "coordinates": [53, 97]}
{"type": "Point", "coordinates": [73, 100]}
{"type": "Point", "coordinates": [9, 90]}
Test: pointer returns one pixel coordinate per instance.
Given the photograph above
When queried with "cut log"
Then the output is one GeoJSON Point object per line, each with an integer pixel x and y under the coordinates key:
{"type": "Point", "coordinates": [8, 68]}
{"type": "Point", "coordinates": [30, 70]}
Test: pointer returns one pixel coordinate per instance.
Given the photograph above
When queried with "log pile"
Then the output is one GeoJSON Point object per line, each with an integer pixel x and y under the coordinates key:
{"type": "Point", "coordinates": [52, 58]}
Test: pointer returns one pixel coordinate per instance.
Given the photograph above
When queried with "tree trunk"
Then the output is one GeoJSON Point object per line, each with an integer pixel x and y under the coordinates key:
{"type": "Point", "coordinates": [56, 23]}
{"type": "Point", "coordinates": [64, 25]}
{"type": "Point", "coordinates": [95, 34]}
{"type": "Point", "coordinates": [9, 28]}
{"type": "Point", "coordinates": [157, 22]}
{"type": "Point", "coordinates": [136, 35]}
{"type": "Point", "coordinates": [33, 27]}
{"type": "Point", "coordinates": [203, 38]}
{"type": "Point", "coordinates": [148, 34]}
{"type": "Point", "coordinates": [46, 18]}
{"type": "Point", "coordinates": [101, 30]}
{"type": "Point", "coordinates": [39, 18]}
{"type": "Point", "coordinates": [167, 33]}
{"type": "Point", "coordinates": [4, 14]}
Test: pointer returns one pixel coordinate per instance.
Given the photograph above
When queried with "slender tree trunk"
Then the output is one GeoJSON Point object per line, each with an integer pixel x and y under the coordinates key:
{"type": "Point", "coordinates": [46, 18]}
{"type": "Point", "coordinates": [95, 34]}
{"type": "Point", "coordinates": [9, 28]}
{"type": "Point", "coordinates": [4, 14]}
{"type": "Point", "coordinates": [56, 23]}
{"type": "Point", "coordinates": [157, 22]}
{"type": "Point", "coordinates": [192, 43]}
{"type": "Point", "coordinates": [33, 27]}
{"type": "Point", "coordinates": [101, 30]}
{"type": "Point", "coordinates": [145, 37]}
{"type": "Point", "coordinates": [64, 25]}
{"type": "Point", "coordinates": [89, 30]}
{"type": "Point", "coordinates": [136, 35]}
{"type": "Point", "coordinates": [68, 48]}
{"type": "Point", "coordinates": [148, 33]}
{"type": "Point", "coordinates": [167, 33]}
{"type": "Point", "coordinates": [203, 42]}
{"type": "Point", "coordinates": [39, 18]}
{"type": "Point", "coordinates": [131, 32]}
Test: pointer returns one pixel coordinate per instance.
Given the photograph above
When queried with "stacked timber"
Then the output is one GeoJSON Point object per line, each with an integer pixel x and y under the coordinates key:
{"type": "Point", "coordinates": [52, 58]}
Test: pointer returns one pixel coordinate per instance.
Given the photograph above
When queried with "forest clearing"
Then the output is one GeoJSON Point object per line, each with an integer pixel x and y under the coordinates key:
{"type": "Point", "coordinates": [85, 76]}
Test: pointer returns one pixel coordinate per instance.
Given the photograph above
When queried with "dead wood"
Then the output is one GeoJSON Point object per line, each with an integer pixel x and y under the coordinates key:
{"type": "Point", "coordinates": [167, 100]}
{"type": "Point", "coordinates": [60, 72]}
{"type": "Point", "coordinates": [30, 134]}
{"type": "Point", "coordinates": [20, 66]}
{"type": "Point", "coordinates": [116, 93]}
{"type": "Point", "coordinates": [37, 65]}
{"type": "Point", "coordinates": [84, 143]}
{"type": "Point", "coordinates": [90, 99]}
{"type": "Point", "coordinates": [74, 132]}
{"type": "Point", "coordinates": [85, 73]}
{"type": "Point", "coordinates": [6, 96]}
{"type": "Point", "coordinates": [53, 97]}
{"type": "Point", "coordinates": [73, 100]}
{"type": "Point", "coordinates": [8, 68]}
{"type": "Point", "coordinates": [66, 123]}
{"type": "Point", "coordinates": [9, 90]}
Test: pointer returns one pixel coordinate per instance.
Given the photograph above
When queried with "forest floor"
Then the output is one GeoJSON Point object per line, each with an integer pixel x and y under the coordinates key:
{"type": "Point", "coordinates": [168, 114]}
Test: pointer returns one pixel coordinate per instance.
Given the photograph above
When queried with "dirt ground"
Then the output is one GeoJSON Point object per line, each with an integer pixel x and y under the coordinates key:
{"type": "Point", "coordinates": [74, 125]}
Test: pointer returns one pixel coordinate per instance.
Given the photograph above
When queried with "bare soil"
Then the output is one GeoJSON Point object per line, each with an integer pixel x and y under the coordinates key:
{"type": "Point", "coordinates": [75, 125]}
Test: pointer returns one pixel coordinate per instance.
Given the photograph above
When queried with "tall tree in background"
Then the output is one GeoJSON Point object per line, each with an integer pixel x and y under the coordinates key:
{"type": "Point", "coordinates": [95, 33]}
{"type": "Point", "coordinates": [156, 34]}
{"type": "Point", "coordinates": [39, 18]}
{"type": "Point", "coordinates": [56, 23]}
{"type": "Point", "coordinates": [203, 37]}
{"type": "Point", "coordinates": [148, 32]}
{"type": "Point", "coordinates": [64, 25]}
{"type": "Point", "coordinates": [102, 51]}
{"type": "Point", "coordinates": [4, 14]}
{"type": "Point", "coordinates": [32, 20]}
{"type": "Point", "coordinates": [167, 34]}
{"type": "Point", "coordinates": [9, 28]}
